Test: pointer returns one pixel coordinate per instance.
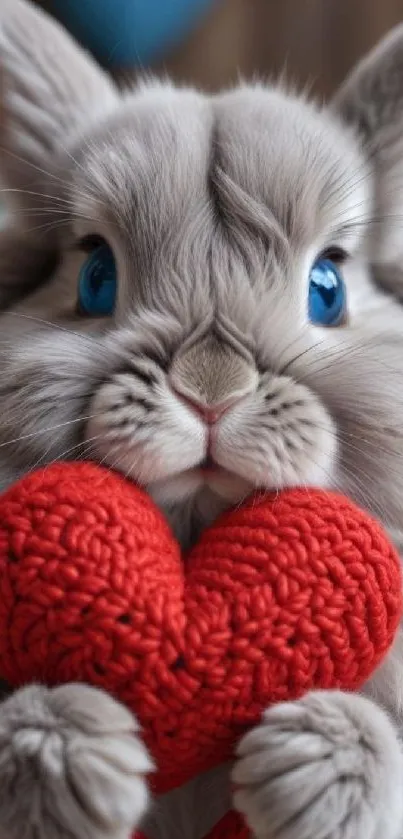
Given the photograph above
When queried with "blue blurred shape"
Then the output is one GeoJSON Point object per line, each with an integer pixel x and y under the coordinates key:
{"type": "Point", "coordinates": [127, 32]}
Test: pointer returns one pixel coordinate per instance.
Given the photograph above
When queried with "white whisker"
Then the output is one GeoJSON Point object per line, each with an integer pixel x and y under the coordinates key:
{"type": "Point", "coordinates": [51, 428]}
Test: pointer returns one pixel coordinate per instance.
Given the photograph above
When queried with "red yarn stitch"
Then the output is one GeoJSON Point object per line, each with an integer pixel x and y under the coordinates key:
{"type": "Point", "coordinates": [231, 826]}
{"type": "Point", "coordinates": [287, 594]}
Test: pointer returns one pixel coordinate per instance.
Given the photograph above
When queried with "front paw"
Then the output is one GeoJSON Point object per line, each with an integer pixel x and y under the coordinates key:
{"type": "Point", "coordinates": [328, 766]}
{"type": "Point", "coordinates": [71, 765]}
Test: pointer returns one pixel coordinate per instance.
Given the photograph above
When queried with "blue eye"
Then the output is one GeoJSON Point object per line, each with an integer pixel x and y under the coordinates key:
{"type": "Point", "coordinates": [327, 294]}
{"type": "Point", "coordinates": [97, 283]}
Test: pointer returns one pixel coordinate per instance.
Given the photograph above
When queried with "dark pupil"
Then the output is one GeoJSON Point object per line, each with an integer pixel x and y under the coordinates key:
{"type": "Point", "coordinates": [96, 278]}
{"type": "Point", "coordinates": [327, 293]}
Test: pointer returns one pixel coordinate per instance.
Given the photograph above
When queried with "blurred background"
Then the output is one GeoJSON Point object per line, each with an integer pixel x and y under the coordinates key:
{"type": "Point", "coordinates": [317, 40]}
{"type": "Point", "coordinates": [211, 42]}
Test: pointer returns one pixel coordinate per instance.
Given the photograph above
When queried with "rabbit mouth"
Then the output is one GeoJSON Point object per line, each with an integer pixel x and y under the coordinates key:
{"type": "Point", "coordinates": [210, 474]}
{"type": "Point", "coordinates": [208, 465]}
{"type": "Point", "coordinates": [209, 468]}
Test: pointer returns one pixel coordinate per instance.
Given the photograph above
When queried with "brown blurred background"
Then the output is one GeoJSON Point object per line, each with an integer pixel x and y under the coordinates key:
{"type": "Point", "coordinates": [318, 41]}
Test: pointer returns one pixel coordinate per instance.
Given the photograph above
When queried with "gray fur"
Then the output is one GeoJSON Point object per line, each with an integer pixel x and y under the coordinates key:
{"type": "Point", "coordinates": [336, 753]}
{"type": "Point", "coordinates": [215, 207]}
{"type": "Point", "coordinates": [70, 760]}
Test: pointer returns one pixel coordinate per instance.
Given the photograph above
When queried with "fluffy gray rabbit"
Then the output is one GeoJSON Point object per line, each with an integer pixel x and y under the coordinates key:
{"type": "Point", "coordinates": [202, 292]}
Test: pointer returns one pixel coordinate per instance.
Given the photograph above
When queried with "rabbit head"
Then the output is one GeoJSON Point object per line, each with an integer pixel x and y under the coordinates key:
{"type": "Point", "coordinates": [202, 375]}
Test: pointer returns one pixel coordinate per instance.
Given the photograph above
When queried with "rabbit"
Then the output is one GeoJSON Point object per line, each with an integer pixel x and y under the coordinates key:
{"type": "Point", "coordinates": [203, 292]}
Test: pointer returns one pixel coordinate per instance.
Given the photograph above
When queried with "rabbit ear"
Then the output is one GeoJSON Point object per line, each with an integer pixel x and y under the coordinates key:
{"type": "Point", "coordinates": [371, 101]}
{"type": "Point", "coordinates": [49, 88]}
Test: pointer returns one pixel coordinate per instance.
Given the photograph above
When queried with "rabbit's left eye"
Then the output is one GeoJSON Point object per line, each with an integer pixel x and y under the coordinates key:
{"type": "Point", "coordinates": [97, 283]}
{"type": "Point", "coordinates": [327, 294]}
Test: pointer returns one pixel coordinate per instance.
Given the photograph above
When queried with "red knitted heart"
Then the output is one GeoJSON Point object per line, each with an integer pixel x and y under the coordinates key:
{"type": "Point", "coordinates": [286, 594]}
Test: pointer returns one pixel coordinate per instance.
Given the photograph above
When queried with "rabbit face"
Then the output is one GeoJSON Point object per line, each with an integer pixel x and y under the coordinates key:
{"type": "Point", "coordinates": [169, 330]}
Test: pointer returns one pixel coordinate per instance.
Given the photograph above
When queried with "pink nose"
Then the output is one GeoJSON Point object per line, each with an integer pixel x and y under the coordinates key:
{"type": "Point", "coordinates": [210, 413]}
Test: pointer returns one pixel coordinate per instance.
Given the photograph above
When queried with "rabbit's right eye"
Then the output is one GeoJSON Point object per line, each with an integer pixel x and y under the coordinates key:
{"type": "Point", "coordinates": [97, 283]}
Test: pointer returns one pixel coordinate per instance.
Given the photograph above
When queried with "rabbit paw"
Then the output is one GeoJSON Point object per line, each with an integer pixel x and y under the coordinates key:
{"type": "Point", "coordinates": [71, 765]}
{"type": "Point", "coordinates": [328, 766]}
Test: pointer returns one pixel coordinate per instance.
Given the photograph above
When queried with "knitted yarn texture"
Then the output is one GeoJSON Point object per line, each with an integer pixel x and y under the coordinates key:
{"type": "Point", "coordinates": [291, 592]}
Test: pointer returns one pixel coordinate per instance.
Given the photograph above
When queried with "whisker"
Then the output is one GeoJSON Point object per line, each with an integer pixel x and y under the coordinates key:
{"type": "Point", "coordinates": [51, 428]}
{"type": "Point", "coordinates": [119, 353]}
{"type": "Point", "coordinates": [32, 165]}
{"type": "Point", "coordinates": [53, 325]}
{"type": "Point", "coordinates": [370, 500]}
{"type": "Point", "coordinates": [300, 355]}
{"type": "Point", "coordinates": [87, 444]}
{"type": "Point", "coordinates": [54, 198]}
{"type": "Point", "coordinates": [47, 228]}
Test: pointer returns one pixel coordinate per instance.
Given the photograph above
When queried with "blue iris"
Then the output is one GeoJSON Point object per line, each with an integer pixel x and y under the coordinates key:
{"type": "Point", "coordinates": [327, 294]}
{"type": "Point", "coordinates": [97, 283]}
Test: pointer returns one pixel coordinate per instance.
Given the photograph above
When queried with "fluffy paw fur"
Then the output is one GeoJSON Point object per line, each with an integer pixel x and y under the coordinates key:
{"type": "Point", "coordinates": [326, 767]}
{"type": "Point", "coordinates": [71, 766]}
